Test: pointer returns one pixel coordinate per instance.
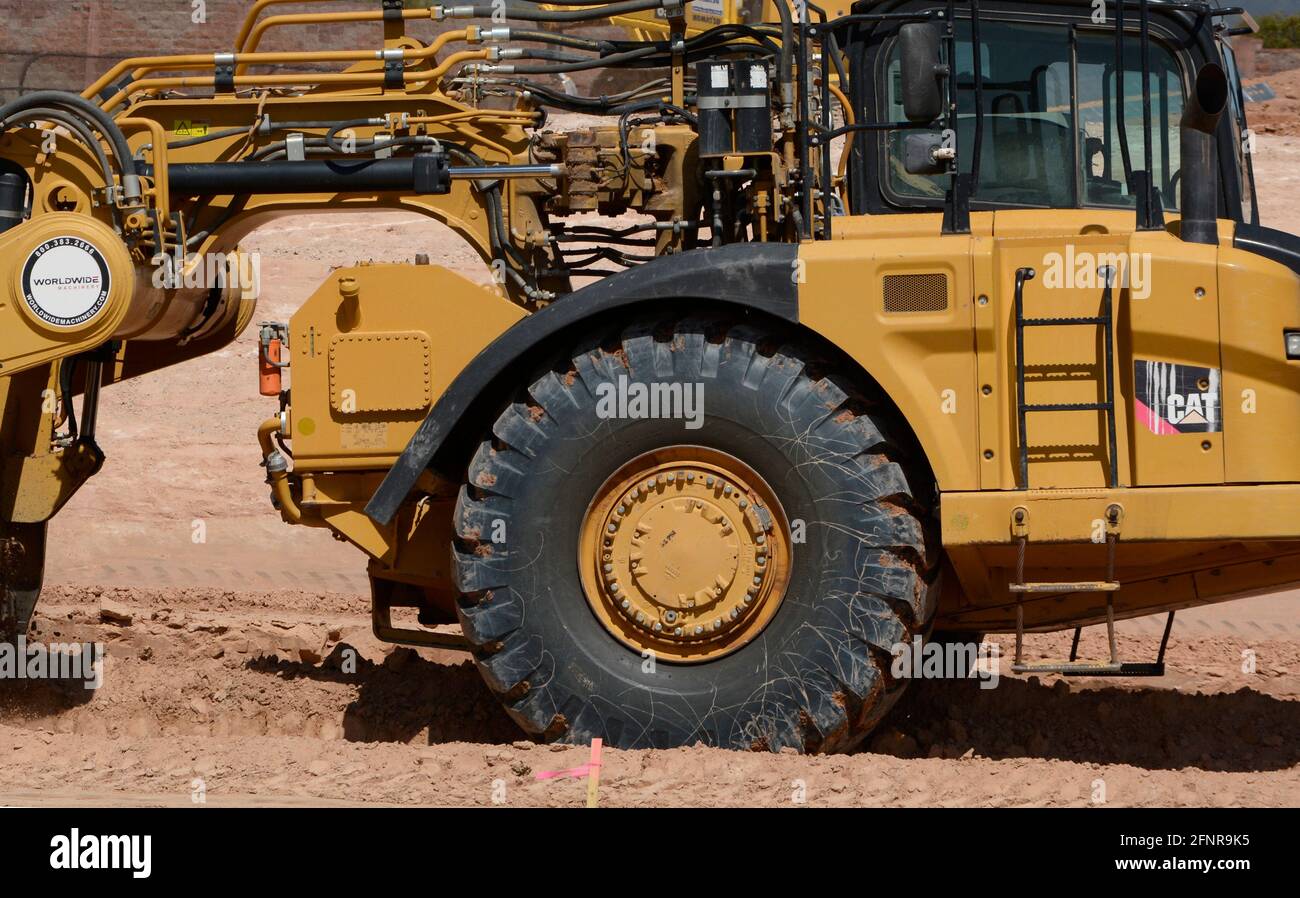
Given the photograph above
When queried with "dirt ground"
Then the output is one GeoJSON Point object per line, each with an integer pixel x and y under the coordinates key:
{"type": "Point", "coordinates": [241, 670]}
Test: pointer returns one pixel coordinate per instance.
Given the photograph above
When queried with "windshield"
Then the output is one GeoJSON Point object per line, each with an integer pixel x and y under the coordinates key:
{"type": "Point", "coordinates": [1044, 143]}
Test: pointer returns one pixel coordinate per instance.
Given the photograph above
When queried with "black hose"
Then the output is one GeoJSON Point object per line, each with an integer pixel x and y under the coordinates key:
{"type": "Point", "coordinates": [786, 57]}
{"type": "Point", "coordinates": [533, 14]}
{"type": "Point", "coordinates": [79, 127]}
{"type": "Point", "coordinates": [83, 107]}
{"type": "Point", "coordinates": [549, 55]}
{"type": "Point", "coordinates": [561, 40]}
{"type": "Point", "coordinates": [598, 62]}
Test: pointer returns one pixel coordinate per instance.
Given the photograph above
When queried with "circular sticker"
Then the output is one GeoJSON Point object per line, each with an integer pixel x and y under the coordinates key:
{"type": "Point", "coordinates": [66, 281]}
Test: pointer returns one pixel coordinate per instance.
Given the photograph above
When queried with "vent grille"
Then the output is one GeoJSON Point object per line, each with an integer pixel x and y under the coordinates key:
{"type": "Point", "coordinates": [916, 292]}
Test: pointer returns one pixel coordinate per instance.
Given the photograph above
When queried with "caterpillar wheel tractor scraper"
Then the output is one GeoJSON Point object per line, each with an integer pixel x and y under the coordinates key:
{"type": "Point", "coordinates": [839, 328]}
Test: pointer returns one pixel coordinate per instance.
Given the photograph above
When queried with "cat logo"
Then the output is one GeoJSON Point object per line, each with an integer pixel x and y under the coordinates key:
{"type": "Point", "coordinates": [1173, 399]}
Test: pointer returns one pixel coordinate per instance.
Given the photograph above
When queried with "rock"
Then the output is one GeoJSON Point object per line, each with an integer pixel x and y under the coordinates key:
{"type": "Point", "coordinates": [399, 658]}
{"type": "Point", "coordinates": [318, 767]}
{"type": "Point", "coordinates": [111, 612]}
{"type": "Point", "coordinates": [894, 742]}
{"type": "Point", "coordinates": [519, 768]}
{"type": "Point", "coordinates": [521, 745]}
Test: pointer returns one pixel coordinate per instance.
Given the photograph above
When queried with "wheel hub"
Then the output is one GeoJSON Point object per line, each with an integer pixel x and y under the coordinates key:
{"type": "Point", "coordinates": [684, 552]}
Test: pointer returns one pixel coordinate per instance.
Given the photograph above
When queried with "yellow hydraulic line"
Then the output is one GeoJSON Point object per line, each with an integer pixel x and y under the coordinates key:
{"type": "Point", "coordinates": [321, 18]}
{"type": "Point", "coordinates": [143, 64]}
{"type": "Point", "coordinates": [289, 509]}
{"type": "Point", "coordinates": [256, 11]}
{"type": "Point", "coordinates": [359, 79]}
{"type": "Point", "coordinates": [162, 191]}
{"type": "Point", "coordinates": [849, 119]}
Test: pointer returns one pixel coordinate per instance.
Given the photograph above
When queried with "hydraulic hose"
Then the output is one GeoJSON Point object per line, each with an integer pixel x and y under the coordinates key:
{"type": "Point", "coordinates": [99, 118]}
{"type": "Point", "coordinates": [785, 65]}
{"type": "Point", "coordinates": [530, 13]}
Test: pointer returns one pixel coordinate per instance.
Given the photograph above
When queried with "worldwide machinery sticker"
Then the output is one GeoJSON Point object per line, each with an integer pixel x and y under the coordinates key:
{"type": "Point", "coordinates": [1173, 399]}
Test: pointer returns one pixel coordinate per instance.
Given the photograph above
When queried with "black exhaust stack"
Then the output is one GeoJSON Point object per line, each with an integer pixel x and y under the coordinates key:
{"type": "Point", "coordinates": [1199, 188]}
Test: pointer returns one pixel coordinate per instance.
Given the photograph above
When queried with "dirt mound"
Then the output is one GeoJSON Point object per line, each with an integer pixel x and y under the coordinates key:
{"type": "Point", "coordinates": [1281, 115]}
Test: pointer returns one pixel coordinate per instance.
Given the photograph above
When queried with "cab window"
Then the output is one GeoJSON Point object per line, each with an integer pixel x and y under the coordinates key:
{"type": "Point", "coordinates": [1051, 121]}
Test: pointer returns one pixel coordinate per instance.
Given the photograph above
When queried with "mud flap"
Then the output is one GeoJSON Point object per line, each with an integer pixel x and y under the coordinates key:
{"type": "Point", "coordinates": [22, 567]}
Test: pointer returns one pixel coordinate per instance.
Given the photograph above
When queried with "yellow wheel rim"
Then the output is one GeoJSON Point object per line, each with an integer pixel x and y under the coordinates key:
{"type": "Point", "coordinates": [685, 552]}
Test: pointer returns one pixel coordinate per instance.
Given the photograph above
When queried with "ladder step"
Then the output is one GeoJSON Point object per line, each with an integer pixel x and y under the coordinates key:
{"type": "Point", "coordinates": [1070, 407]}
{"type": "Point", "coordinates": [1081, 586]}
{"type": "Point", "coordinates": [1063, 322]}
{"type": "Point", "coordinates": [1097, 669]}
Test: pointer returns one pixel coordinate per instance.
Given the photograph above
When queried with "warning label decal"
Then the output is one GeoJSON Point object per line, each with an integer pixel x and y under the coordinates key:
{"type": "Point", "coordinates": [1173, 399]}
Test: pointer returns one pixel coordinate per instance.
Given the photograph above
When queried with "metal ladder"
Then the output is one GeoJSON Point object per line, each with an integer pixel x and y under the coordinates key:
{"type": "Point", "coordinates": [1114, 514]}
{"type": "Point", "coordinates": [1105, 320]}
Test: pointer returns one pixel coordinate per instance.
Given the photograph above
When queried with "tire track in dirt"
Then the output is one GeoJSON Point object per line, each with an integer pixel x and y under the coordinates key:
{"type": "Point", "coordinates": [249, 693]}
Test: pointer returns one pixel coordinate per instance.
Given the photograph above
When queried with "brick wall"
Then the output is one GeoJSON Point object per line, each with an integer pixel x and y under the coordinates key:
{"type": "Point", "coordinates": [67, 44]}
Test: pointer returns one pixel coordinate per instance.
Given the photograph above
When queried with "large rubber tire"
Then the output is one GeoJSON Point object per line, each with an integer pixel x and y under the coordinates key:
{"type": "Point", "coordinates": [817, 677]}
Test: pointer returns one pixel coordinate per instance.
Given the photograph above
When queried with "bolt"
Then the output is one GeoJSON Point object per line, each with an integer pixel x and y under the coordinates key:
{"type": "Point", "coordinates": [658, 626]}
{"type": "Point", "coordinates": [625, 604]}
{"type": "Point", "coordinates": [670, 616]}
{"type": "Point", "coordinates": [708, 481]}
{"type": "Point", "coordinates": [699, 630]}
{"type": "Point", "coordinates": [610, 567]}
{"type": "Point", "coordinates": [677, 632]}
{"type": "Point", "coordinates": [613, 587]}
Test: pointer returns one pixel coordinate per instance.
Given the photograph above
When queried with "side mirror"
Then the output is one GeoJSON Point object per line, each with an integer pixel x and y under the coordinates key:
{"type": "Point", "coordinates": [923, 71]}
{"type": "Point", "coordinates": [924, 153]}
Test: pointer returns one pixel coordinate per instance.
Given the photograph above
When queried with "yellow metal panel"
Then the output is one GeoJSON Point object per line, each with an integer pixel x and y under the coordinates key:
{"type": "Point", "coordinates": [1258, 300]}
{"type": "Point", "coordinates": [1255, 512]}
{"type": "Point", "coordinates": [403, 356]}
{"type": "Point", "coordinates": [443, 321]}
{"type": "Point", "coordinates": [922, 360]}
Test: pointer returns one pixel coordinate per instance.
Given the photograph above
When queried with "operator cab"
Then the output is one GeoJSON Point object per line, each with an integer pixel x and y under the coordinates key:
{"type": "Point", "coordinates": [1055, 133]}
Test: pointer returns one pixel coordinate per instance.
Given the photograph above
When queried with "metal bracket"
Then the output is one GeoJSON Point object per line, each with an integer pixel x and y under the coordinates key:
{"type": "Point", "coordinates": [394, 68]}
{"type": "Point", "coordinates": [224, 72]}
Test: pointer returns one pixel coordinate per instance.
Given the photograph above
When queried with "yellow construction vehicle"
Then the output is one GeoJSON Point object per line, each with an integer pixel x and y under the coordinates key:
{"type": "Point", "coordinates": [922, 316]}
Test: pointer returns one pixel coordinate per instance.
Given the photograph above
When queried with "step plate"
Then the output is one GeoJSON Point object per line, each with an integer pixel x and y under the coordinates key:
{"type": "Point", "coordinates": [1084, 586]}
{"type": "Point", "coordinates": [1094, 669]}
